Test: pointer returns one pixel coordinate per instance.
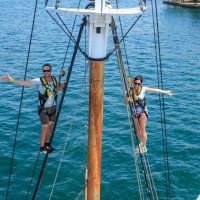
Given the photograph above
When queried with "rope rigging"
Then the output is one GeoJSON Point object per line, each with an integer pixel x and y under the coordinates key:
{"type": "Point", "coordinates": [120, 61]}
{"type": "Point", "coordinates": [68, 32]}
{"type": "Point", "coordinates": [161, 96]}
{"type": "Point", "coordinates": [85, 118]}
{"type": "Point", "coordinates": [62, 69]}
{"type": "Point", "coordinates": [68, 47]}
{"type": "Point", "coordinates": [34, 170]}
{"type": "Point", "coordinates": [143, 158]}
{"type": "Point", "coordinates": [60, 105]}
{"type": "Point", "coordinates": [22, 95]}
{"type": "Point", "coordinates": [129, 73]}
{"type": "Point", "coordinates": [59, 82]}
{"type": "Point", "coordinates": [65, 144]}
{"type": "Point", "coordinates": [151, 190]}
{"type": "Point", "coordinates": [144, 164]}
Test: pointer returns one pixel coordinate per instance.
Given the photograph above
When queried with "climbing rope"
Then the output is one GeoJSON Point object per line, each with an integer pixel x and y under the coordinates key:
{"type": "Point", "coordinates": [124, 88]}
{"type": "Point", "coordinates": [68, 32]}
{"type": "Point", "coordinates": [59, 82]}
{"type": "Point", "coordinates": [161, 96]}
{"type": "Point", "coordinates": [135, 157]}
{"type": "Point", "coordinates": [148, 168]}
{"type": "Point", "coordinates": [145, 168]}
{"type": "Point", "coordinates": [163, 121]}
{"type": "Point", "coordinates": [74, 113]}
{"type": "Point", "coordinates": [69, 131]}
{"type": "Point", "coordinates": [60, 105]}
{"type": "Point", "coordinates": [52, 108]}
{"type": "Point", "coordinates": [22, 95]}
{"type": "Point", "coordinates": [119, 42]}
{"type": "Point", "coordinates": [129, 73]}
{"type": "Point", "coordinates": [67, 47]}
{"type": "Point", "coordinates": [34, 170]}
{"type": "Point", "coordinates": [86, 121]}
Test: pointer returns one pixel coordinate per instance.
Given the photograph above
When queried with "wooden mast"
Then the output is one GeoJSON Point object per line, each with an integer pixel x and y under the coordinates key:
{"type": "Point", "coordinates": [95, 129]}
{"type": "Point", "coordinates": [97, 50]}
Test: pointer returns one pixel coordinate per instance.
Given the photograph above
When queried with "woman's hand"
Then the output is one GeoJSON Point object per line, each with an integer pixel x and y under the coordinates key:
{"type": "Point", "coordinates": [169, 93]}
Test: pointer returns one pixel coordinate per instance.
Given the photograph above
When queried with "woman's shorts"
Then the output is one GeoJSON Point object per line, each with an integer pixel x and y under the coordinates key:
{"type": "Point", "coordinates": [47, 114]}
{"type": "Point", "coordinates": [141, 114]}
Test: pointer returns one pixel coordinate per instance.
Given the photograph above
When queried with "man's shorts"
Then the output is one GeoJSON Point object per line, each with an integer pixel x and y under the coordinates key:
{"type": "Point", "coordinates": [47, 114]}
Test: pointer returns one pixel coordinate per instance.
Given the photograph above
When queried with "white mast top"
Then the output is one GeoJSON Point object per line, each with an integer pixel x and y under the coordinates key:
{"type": "Point", "coordinates": [99, 21]}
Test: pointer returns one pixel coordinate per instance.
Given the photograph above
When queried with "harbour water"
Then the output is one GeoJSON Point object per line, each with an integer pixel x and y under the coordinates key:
{"type": "Point", "coordinates": [180, 47]}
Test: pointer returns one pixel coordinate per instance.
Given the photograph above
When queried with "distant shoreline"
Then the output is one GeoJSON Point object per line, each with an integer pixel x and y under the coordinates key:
{"type": "Point", "coordinates": [187, 4]}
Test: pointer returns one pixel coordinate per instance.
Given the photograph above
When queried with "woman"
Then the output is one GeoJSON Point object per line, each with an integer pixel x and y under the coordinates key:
{"type": "Point", "coordinates": [137, 96]}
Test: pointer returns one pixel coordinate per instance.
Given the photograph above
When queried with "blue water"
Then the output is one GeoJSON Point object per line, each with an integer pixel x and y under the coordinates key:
{"type": "Point", "coordinates": [180, 46]}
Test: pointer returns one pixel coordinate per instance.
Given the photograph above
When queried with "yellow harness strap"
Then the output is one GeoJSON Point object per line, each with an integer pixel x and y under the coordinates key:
{"type": "Point", "coordinates": [131, 94]}
{"type": "Point", "coordinates": [46, 85]}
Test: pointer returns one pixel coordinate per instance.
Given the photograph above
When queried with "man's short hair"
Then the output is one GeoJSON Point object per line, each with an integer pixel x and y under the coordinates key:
{"type": "Point", "coordinates": [47, 64]}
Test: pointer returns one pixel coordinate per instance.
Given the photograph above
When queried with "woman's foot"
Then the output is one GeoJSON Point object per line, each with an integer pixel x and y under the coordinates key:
{"type": "Point", "coordinates": [141, 149]}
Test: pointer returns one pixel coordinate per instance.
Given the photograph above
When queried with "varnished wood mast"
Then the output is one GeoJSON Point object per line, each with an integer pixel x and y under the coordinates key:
{"type": "Point", "coordinates": [95, 129]}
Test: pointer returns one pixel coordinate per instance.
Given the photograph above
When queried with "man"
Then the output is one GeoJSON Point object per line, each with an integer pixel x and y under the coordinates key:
{"type": "Point", "coordinates": [47, 93]}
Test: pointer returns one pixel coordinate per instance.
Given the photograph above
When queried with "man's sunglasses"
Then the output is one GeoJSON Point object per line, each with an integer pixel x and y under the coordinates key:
{"type": "Point", "coordinates": [47, 70]}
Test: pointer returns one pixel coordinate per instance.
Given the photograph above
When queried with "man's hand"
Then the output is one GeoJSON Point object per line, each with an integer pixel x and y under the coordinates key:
{"type": "Point", "coordinates": [7, 78]}
{"type": "Point", "coordinates": [60, 87]}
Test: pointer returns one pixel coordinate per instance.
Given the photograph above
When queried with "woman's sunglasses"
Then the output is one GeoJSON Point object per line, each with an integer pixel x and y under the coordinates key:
{"type": "Point", "coordinates": [135, 83]}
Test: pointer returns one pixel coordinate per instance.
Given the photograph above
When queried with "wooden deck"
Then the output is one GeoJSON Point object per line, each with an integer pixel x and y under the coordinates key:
{"type": "Point", "coordinates": [187, 4]}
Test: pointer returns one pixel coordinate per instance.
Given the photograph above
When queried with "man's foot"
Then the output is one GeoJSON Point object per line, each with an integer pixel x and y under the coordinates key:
{"type": "Point", "coordinates": [43, 150]}
{"type": "Point", "coordinates": [49, 149]}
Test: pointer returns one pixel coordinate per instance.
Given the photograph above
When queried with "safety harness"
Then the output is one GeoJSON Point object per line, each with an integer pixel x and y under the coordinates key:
{"type": "Point", "coordinates": [43, 97]}
{"type": "Point", "coordinates": [137, 101]}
